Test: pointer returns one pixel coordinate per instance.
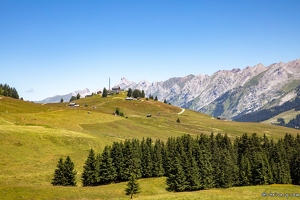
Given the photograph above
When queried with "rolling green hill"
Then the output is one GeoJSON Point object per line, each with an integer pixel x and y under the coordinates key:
{"type": "Point", "coordinates": [33, 137]}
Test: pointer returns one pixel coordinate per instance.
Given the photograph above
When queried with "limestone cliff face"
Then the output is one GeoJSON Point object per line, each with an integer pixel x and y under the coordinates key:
{"type": "Point", "coordinates": [227, 92]}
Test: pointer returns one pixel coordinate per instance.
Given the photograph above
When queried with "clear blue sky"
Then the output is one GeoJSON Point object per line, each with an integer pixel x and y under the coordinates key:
{"type": "Point", "coordinates": [50, 47]}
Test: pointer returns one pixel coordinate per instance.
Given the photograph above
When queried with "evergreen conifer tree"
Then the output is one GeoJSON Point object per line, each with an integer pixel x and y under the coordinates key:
{"type": "Point", "coordinates": [158, 169]}
{"type": "Point", "coordinates": [143, 94]}
{"type": "Point", "coordinates": [107, 172]}
{"type": "Point", "coordinates": [245, 174]}
{"type": "Point", "coordinates": [261, 172]}
{"type": "Point", "coordinates": [59, 178]}
{"type": "Point", "coordinates": [104, 92]}
{"type": "Point", "coordinates": [72, 98]}
{"type": "Point", "coordinates": [280, 164]}
{"type": "Point", "coordinates": [69, 172]}
{"type": "Point", "coordinates": [176, 178]}
{"type": "Point", "coordinates": [89, 175]}
{"type": "Point", "coordinates": [133, 186]}
{"type": "Point", "coordinates": [295, 165]}
{"type": "Point", "coordinates": [64, 174]}
{"type": "Point", "coordinates": [203, 157]}
{"type": "Point", "coordinates": [116, 154]}
{"type": "Point", "coordinates": [129, 92]}
{"type": "Point", "coordinates": [170, 155]}
{"type": "Point", "coordinates": [131, 160]}
{"type": "Point", "coordinates": [146, 157]}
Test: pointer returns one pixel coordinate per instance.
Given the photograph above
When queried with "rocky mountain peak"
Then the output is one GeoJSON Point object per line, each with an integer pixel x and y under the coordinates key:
{"type": "Point", "coordinates": [250, 88]}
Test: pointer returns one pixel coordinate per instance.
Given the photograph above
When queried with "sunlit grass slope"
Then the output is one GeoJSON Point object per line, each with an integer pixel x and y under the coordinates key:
{"type": "Point", "coordinates": [287, 116]}
{"type": "Point", "coordinates": [33, 137]}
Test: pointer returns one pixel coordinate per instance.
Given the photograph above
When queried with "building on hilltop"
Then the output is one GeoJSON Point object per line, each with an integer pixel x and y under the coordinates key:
{"type": "Point", "coordinates": [116, 90]}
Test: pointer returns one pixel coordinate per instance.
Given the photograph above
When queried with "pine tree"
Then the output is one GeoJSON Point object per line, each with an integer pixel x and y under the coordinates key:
{"type": "Point", "coordinates": [104, 92]}
{"type": "Point", "coordinates": [137, 93]}
{"type": "Point", "coordinates": [295, 171]}
{"type": "Point", "coordinates": [170, 154]}
{"type": "Point", "coordinates": [61, 100]}
{"type": "Point", "coordinates": [158, 169]}
{"type": "Point", "coordinates": [155, 98]}
{"type": "Point", "coordinates": [116, 154]}
{"type": "Point", "coordinates": [89, 175]}
{"type": "Point", "coordinates": [133, 187]}
{"type": "Point", "coordinates": [280, 164]}
{"type": "Point", "coordinates": [14, 93]}
{"type": "Point", "coordinates": [129, 92]}
{"type": "Point", "coordinates": [64, 174]}
{"type": "Point", "coordinates": [245, 174]}
{"type": "Point", "coordinates": [203, 157]}
{"type": "Point", "coordinates": [131, 160]}
{"type": "Point", "coordinates": [176, 178]}
{"type": "Point", "coordinates": [78, 96]}
{"type": "Point", "coordinates": [72, 98]}
{"type": "Point", "coordinates": [143, 94]}
{"type": "Point", "coordinates": [190, 166]}
{"type": "Point", "coordinates": [261, 172]}
{"type": "Point", "coordinates": [107, 172]}
{"type": "Point", "coordinates": [295, 165]}
{"type": "Point", "coordinates": [59, 178]}
{"type": "Point", "coordinates": [69, 172]}
{"type": "Point", "coordinates": [146, 157]}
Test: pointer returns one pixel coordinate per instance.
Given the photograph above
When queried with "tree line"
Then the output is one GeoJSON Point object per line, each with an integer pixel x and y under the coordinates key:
{"type": "Point", "coordinates": [207, 161]}
{"type": "Point", "coordinates": [265, 114]}
{"type": "Point", "coordinates": [293, 123]}
{"type": "Point", "coordinates": [8, 91]}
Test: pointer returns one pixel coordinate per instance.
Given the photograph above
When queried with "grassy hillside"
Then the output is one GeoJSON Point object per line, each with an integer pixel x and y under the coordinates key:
{"type": "Point", "coordinates": [287, 116]}
{"type": "Point", "coordinates": [33, 137]}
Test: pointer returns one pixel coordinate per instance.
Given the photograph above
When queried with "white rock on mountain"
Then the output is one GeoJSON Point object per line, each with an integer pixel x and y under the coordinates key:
{"type": "Point", "coordinates": [259, 86]}
{"type": "Point", "coordinates": [66, 97]}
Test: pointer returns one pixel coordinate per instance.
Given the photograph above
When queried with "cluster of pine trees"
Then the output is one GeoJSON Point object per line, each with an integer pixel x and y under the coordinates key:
{"type": "Point", "coordinates": [293, 123]}
{"type": "Point", "coordinates": [204, 162]}
{"type": "Point", "coordinates": [135, 93]}
{"type": "Point", "coordinates": [64, 174]}
{"type": "Point", "coordinates": [122, 159]}
{"type": "Point", "coordinates": [7, 91]}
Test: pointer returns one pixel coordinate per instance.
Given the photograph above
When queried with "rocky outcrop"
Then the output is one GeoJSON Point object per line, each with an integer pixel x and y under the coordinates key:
{"type": "Point", "coordinates": [227, 92]}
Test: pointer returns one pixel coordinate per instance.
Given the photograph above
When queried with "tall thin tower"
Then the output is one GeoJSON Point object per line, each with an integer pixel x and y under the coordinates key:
{"type": "Point", "coordinates": [109, 85]}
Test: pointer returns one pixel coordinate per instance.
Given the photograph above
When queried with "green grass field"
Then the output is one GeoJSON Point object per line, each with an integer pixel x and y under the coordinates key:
{"type": "Point", "coordinates": [33, 137]}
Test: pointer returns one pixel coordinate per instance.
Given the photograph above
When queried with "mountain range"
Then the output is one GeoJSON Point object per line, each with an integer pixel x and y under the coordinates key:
{"type": "Point", "coordinates": [66, 97]}
{"type": "Point", "coordinates": [227, 93]}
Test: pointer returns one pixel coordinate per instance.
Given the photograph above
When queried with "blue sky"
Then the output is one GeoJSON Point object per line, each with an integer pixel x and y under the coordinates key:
{"type": "Point", "coordinates": [54, 47]}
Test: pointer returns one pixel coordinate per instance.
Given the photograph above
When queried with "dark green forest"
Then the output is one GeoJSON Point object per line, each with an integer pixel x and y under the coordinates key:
{"type": "Point", "coordinates": [8, 91]}
{"type": "Point", "coordinates": [204, 162]}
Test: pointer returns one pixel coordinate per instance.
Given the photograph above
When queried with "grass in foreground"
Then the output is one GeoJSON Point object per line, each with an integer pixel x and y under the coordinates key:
{"type": "Point", "coordinates": [33, 137]}
{"type": "Point", "coordinates": [152, 188]}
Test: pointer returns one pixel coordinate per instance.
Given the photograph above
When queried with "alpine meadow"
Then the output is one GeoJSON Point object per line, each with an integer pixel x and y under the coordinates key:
{"type": "Point", "coordinates": [164, 151]}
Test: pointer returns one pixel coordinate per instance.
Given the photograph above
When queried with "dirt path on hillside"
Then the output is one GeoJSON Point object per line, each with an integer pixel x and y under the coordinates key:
{"type": "Point", "coordinates": [181, 111]}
